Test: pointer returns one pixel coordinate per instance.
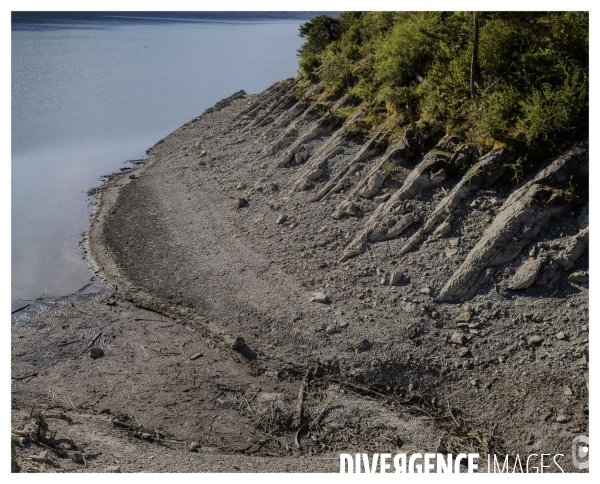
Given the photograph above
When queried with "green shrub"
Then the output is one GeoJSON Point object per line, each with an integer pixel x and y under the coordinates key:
{"type": "Point", "coordinates": [531, 90]}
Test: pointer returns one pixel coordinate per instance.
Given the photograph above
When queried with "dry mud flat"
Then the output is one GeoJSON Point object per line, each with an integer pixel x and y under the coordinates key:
{"type": "Point", "coordinates": [143, 392]}
{"type": "Point", "coordinates": [410, 279]}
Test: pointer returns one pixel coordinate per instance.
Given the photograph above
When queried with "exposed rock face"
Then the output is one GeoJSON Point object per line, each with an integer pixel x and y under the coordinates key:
{"type": "Point", "coordinates": [393, 231]}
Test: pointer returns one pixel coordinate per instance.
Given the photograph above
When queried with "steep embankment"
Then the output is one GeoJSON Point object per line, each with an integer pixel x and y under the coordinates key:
{"type": "Point", "coordinates": [439, 279]}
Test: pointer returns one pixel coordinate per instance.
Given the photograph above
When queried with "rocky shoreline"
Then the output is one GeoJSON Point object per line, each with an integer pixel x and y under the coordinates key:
{"type": "Point", "coordinates": [407, 282]}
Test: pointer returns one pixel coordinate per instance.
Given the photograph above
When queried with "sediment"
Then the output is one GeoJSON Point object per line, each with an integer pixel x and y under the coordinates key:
{"type": "Point", "coordinates": [445, 285]}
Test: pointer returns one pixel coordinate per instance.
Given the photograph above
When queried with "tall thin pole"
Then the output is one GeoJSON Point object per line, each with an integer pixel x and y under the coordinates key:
{"type": "Point", "coordinates": [474, 58]}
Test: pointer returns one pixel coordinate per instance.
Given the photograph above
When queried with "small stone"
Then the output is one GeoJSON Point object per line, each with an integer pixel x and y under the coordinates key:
{"type": "Point", "coordinates": [473, 331]}
{"type": "Point", "coordinates": [196, 356]}
{"type": "Point", "coordinates": [560, 335]}
{"type": "Point", "coordinates": [464, 316]}
{"type": "Point", "coordinates": [240, 186]}
{"type": "Point", "coordinates": [426, 290]}
{"type": "Point", "coordinates": [113, 470]}
{"type": "Point", "coordinates": [239, 342]}
{"type": "Point", "coordinates": [501, 359]}
{"type": "Point", "coordinates": [319, 297]}
{"type": "Point", "coordinates": [96, 352]}
{"type": "Point", "coordinates": [474, 382]}
{"type": "Point", "coordinates": [443, 228]}
{"type": "Point", "coordinates": [451, 252]}
{"type": "Point", "coordinates": [453, 242]}
{"type": "Point", "coordinates": [567, 391]}
{"type": "Point", "coordinates": [282, 218]}
{"type": "Point", "coordinates": [314, 175]}
{"type": "Point", "coordinates": [474, 325]}
{"type": "Point", "coordinates": [330, 329]}
{"type": "Point", "coordinates": [474, 204]}
{"type": "Point", "coordinates": [395, 278]}
{"type": "Point", "coordinates": [562, 419]}
{"type": "Point", "coordinates": [364, 345]}
{"type": "Point", "coordinates": [240, 203]}
{"type": "Point", "coordinates": [580, 277]}
{"type": "Point", "coordinates": [382, 198]}
{"type": "Point", "coordinates": [525, 275]}
{"type": "Point", "coordinates": [194, 446]}
{"type": "Point", "coordinates": [535, 340]}
{"type": "Point", "coordinates": [457, 338]}
{"type": "Point", "coordinates": [132, 176]}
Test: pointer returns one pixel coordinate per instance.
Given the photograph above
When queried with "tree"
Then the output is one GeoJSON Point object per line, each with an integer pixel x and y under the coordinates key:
{"type": "Point", "coordinates": [319, 32]}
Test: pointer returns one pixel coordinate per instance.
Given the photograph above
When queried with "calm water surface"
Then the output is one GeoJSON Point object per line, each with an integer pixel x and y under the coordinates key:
{"type": "Point", "coordinates": [88, 95]}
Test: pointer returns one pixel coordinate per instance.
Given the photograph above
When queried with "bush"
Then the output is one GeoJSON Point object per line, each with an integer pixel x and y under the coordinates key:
{"type": "Point", "coordinates": [531, 82]}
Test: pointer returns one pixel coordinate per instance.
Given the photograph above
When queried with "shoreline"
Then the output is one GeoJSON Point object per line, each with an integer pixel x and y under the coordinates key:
{"type": "Point", "coordinates": [233, 246]}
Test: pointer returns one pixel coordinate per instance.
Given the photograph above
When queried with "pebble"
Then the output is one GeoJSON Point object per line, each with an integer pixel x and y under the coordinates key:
{"type": "Point", "coordinates": [240, 186]}
{"type": "Point", "coordinates": [535, 340]}
{"type": "Point", "coordinates": [330, 329]}
{"type": "Point", "coordinates": [240, 342]}
{"type": "Point", "coordinates": [579, 277]}
{"type": "Point", "coordinates": [114, 469]}
{"type": "Point", "coordinates": [426, 290]}
{"type": "Point", "coordinates": [395, 278]}
{"type": "Point", "coordinates": [464, 315]}
{"type": "Point", "coordinates": [240, 202]}
{"type": "Point", "coordinates": [282, 218]}
{"type": "Point", "coordinates": [96, 352]}
{"type": "Point", "coordinates": [320, 297]}
{"type": "Point", "coordinates": [451, 252]}
{"type": "Point", "coordinates": [453, 242]}
{"type": "Point", "coordinates": [562, 419]}
{"type": "Point", "coordinates": [196, 356]}
{"type": "Point", "coordinates": [457, 338]}
{"type": "Point", "coordinates": [560, 336]}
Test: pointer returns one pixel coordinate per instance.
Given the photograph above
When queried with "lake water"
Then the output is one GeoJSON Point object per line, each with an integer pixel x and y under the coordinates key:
{"type": "Point", "coordinates": [90, 93]}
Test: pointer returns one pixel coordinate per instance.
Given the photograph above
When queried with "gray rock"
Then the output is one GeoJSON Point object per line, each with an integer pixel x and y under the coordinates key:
{"type": "Point", "coordinates": [425, 290]}
{"type": "Point", "coordinates": [382, 198]}
{"type": "Point", "coordinates": [240, 186]}
{"type": "Point", "coordinates": [240, 203]}
{"type": "Point", "coordinates": [580, 277]}
{"type": "Point", "coordinates": [239, 342]}
{"type": "Point", "coordinates": [525, 275]}
{"type": "Point", "coordinates": [457, 338]}
{"type": "Point", "coordinates": [282, 218]}
{"type": "Point", "coordinates": [562, 419]}
{"type": "Point", "coordinates": [451, 253]}
{"type": "Point", "coordinates": [442, 228]}
{"type": "Point", "coordinates": [465, 315]}
{"type": "Point", "coordinates": [453, 242]}
{"type": "Point", "coordinates": [319, 297]}
{"type": "Point", "coordinates": [395, 278]}
{"type": "Point", "coordinates": [96, 352]}
{"type": "Point", "coordinates": [113, 470]}
{"type": "Point", "coordinates": [315, 174]}
{"type": "Point", "coordinates": [560, 336]}
{"type": "Point", "coordinates": [535, 340]}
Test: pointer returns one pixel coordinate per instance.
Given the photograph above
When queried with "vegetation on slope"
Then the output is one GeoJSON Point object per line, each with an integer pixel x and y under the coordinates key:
{"type": "Point", "coordinates": [531, 81]}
